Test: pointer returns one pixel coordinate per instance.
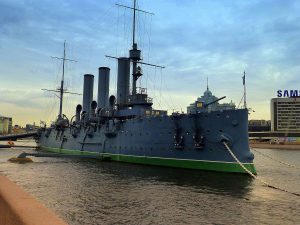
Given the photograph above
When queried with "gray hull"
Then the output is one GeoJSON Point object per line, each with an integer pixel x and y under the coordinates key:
{"type": "Point", "coordinates": [183, 140]}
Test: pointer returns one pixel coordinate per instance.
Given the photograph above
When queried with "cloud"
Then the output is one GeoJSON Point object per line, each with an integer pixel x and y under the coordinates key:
{"type": "Point", "coordinates": [193, 39]}
{"type": "Point", "coordinates": [12, 15]}
{"type": "Point", "coordinates": [21, 98]}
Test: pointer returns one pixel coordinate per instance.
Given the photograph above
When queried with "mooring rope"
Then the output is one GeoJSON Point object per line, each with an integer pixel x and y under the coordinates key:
{"type": "Point", "coordinates": [254, 176]}
{"type": "Point", "coordinates": [277, 160]}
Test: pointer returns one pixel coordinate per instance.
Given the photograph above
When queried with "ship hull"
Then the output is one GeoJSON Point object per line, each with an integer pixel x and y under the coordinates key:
{"type": "Point", "coordinates": [162, 141]}
{"type": "Point", "coordinates": [219, 166]}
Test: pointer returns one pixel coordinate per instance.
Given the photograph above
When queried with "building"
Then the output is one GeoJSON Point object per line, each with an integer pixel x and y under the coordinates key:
{"type": "Point", "coordinates": [206, 98]}
{"type": "Point", "coordinates": [31, 127]}
{"type": "Point", "coordinates": [17, 129]}
{"type": "Point", "coordinates": [285, 114]}
{"type": "Point", "coordinates": [259, 125]}
{"type": "Point", "coordinates": [5, 125]}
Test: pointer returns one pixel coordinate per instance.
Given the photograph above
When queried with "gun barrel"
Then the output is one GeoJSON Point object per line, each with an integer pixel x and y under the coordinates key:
{"type": "Point", "coordinates": [214, 101]}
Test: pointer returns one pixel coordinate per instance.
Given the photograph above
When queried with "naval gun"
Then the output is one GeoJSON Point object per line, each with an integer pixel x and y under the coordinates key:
{"type": "Point", "coordinates": [210, 103]}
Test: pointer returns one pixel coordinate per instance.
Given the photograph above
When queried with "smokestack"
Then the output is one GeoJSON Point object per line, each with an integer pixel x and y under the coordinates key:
{"type": "Point", "coordinates": [123, 80]}
{"type": "Point", "coordinates": [88, 88]}
{"type": "Point", "coordinates": [103, 87]}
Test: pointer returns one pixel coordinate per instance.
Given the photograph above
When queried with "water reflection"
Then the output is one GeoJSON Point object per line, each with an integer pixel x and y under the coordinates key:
{"type": "Point", "coordinates": [237, 185]}
{"type": "Point", "coordinates": [92, 192]}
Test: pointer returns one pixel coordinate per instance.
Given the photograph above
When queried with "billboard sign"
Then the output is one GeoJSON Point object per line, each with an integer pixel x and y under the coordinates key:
{"type": "Point", "coordinates": [288, 93]}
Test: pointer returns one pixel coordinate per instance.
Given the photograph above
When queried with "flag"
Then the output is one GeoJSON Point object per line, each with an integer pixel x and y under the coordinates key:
{"type": "Point", "coordinates": [244, 78]}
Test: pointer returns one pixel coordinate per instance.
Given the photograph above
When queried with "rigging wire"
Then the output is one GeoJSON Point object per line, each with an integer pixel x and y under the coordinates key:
{"type": "Point", "coordinates": [170, 98]}
{"type": "Point", "coordinates": [117, 31]}
{"type": "Point", "coordinates": [138, 30]}
{"type": "Point", "coordinates": [116, 75]}
{"type": "Point", "coordinates": [277, 160]}
{"type": "Point", "coordinates": [254, 176]}
{"type": "Point", "coordinates": [126, 32]}
{"type": "Point", "coordinates": [155, 89]}
{"type": "Point", "coordinates": [48, 110]}
{"type": "Point", "coordinates": [149, 37]}
{"type": "Point", "coordinates": [149, 46]}
{"type": "Point", "coordinates": [152, 87]}
{"type": "Point", "coordinates": [240, 102]}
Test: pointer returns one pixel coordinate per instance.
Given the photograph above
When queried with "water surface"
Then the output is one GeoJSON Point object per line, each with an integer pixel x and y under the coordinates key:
{"type": "Point", "coordinates": [93, 192]}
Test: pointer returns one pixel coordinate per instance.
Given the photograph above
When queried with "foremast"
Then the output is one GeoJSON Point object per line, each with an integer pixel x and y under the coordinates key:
{"type": "Point", "coordinates": [138, 95]}
{"type": "Point", "coordinates": [134, 54]}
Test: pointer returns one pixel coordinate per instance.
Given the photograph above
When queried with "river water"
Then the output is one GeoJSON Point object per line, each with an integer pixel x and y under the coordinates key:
{"type": "Point", "coordinates": [85, 192]}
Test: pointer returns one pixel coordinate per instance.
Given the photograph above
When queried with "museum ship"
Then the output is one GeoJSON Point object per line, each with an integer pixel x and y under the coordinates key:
{"type": "Point", "coordinates": [127, 128]}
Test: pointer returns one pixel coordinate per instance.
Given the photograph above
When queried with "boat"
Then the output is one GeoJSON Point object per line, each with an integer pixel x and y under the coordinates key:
{"type": "Point", "coordinates": [126, 128]}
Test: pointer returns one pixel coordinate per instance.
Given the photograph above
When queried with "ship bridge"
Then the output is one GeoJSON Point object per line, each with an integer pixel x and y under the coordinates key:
{"type": "Point", "coordinates": [140, 98]}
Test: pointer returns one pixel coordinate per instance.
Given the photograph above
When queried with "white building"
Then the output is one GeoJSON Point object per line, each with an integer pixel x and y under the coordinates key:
{"type": "Point", "coordinates": [285, 114]}
{"type": "Point", "coordinates": [206, 98]}
{"type": "Point", "coordinates": [5, 125]}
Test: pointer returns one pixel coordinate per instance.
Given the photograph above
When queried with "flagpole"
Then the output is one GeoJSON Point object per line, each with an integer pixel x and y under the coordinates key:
{"type": "Point", "coordinates": [244, 83]}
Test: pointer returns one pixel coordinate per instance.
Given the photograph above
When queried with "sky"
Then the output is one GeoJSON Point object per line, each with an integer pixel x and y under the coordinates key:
{"type": "Point", "coordinates": [193, 39]}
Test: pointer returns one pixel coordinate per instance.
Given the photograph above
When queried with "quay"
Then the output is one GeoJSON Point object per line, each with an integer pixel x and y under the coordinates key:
{"type": "Point", "coordinates": [19, 208]}
{"type": "Point", "coordinates": [275, 140]}
{"type": "Point", "coordinates": [270, 134]}
{"type": "Point", "coordinates": [274, 146]}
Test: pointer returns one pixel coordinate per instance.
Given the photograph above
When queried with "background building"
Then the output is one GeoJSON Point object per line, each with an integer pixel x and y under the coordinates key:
{"type": "Point", "coordinates": [285, 114]}
{"type": "Point", "coordinates": [259, 125]}
{"type": "Point", "coordinates": [5, 125]}
{"type": "Point", "coordinates": [206, 98]}
{"type": "Point", "coordinates": [18, 129]}
{"type": "Point", "coordinates": [31, 127]}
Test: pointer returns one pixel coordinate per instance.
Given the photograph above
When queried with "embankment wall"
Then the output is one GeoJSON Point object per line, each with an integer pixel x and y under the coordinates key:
{"type": "Point", "coordinates": [19, 208]}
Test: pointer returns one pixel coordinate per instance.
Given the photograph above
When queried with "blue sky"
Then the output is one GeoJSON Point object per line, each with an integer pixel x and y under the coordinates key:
{"type": "Point", "coordinates": [194, 39]}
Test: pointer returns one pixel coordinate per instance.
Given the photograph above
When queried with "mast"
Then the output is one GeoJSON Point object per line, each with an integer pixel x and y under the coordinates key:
{"type": "Point", "coordinates": [133, 27]}
{"type": "Point", "coordinates": [134, 53]}
{"type": "Point", "coordinates": [244, 83]}
{"type": "Point", "coordinates": [62, 83]}
{"type": "Point", "coordinates": [61, 89]}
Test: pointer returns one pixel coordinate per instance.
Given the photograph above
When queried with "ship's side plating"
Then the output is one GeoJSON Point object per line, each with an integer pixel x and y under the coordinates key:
{"type": "Point", "coordinates": [188, 141]}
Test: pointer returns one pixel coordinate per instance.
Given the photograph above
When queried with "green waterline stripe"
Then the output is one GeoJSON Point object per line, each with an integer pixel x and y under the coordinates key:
{"type": "Point", "coordinates": [231, 167]}
{"type": "Point", "coordinates": [68, 151]}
